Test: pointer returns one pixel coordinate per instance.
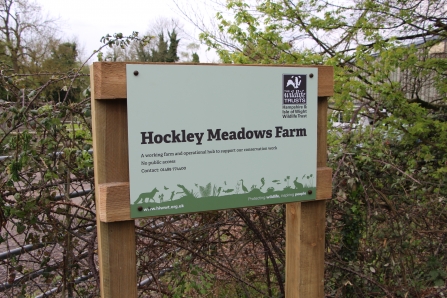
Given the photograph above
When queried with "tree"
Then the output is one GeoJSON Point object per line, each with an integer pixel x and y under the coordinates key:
{"type": "Point", "coordinates": [171, 55]}
{"type": "Point", "coordinates": [29, 45]}
{"type": "Point", "coordinates": [160, 52]}
{"type": "Point", "coordinates": [190, 55]}
{"type": "Point", "coordinates": [21, 27]}
{"type": "Point", "coordinates": [165, 52]}
{"type": "Point", "coordinates": [390, 65]}
{"type": "Point", "coordinates": [156, 47]}
{"type": "Point", "coordinates": [153, 47]}
{"type": "Point", "coordinates": [150, 49]}
{"type": "Point", "coordinates": [195, 58]}
{"type": "Point", "coordinates": [63, 56]}
{"type": "Point", "coordinates": [63, 59]}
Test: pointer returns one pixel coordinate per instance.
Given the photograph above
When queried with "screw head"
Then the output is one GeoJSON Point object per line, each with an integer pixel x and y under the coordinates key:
{"type": "Point", "coordinates": [311, 75]}
{"type": "Point", "coordinates": [140, 208]}
{"type": "Point", "coordinates": [309, 192]}
{"type": "Point", "coordinates": [135, 73]}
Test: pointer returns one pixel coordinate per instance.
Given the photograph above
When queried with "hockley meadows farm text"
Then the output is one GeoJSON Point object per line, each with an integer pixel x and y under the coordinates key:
{"type": "Point", "coordinates": [182, 136]}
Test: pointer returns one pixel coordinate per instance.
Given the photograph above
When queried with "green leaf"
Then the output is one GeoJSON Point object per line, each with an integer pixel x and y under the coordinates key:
{"type": "Point", "coordinates": [20, 228]}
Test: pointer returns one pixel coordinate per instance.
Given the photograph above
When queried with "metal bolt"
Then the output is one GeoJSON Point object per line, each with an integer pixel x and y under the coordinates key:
{"type": "Point", "coordinates": [135, 73]}
{"type": "Point", "coordinates": [311, 75]}
{"type": "Point", "coordinates": [309, 192]}
{"type": "Point", "coordinates": [140, 208]}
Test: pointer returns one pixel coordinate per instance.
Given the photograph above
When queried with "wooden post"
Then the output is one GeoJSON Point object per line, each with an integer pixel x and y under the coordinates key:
{"type": "Point", "coordinates": [305, 222]}
{"type": "Point", "coordinates": [116, 240]}
{"type": "Point", "coordinates": [305, 230]}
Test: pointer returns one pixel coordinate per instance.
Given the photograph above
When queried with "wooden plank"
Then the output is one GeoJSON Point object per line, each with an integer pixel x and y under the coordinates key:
{"type": "Point", "coordinates": [305, 232]}
{"type": "Point", "coordinates": [115, 202]}
{"type": "Point", "coordinates": [313, 220]}
{"type": "Point", "coordinates": [116, 241]}
{"type": "Point", "coordinates": [322, 132]}
{"type": "Point", "coordinates": [305, 228]}
{"type": "Point", "coordinates": [111, 81]}
{"type": "Point", "coordinates": [293, 249]}
{"type": "Point", "coordinates": [114, 198]}
{"type": "Point", "coordinates": [324, 183]}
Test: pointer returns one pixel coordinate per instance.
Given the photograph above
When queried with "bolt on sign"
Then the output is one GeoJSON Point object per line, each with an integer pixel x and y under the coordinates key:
{"type": "Point", "coordinates": [209, 137]}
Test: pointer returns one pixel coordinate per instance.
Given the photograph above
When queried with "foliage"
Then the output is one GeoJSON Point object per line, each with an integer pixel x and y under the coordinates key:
{"type": "Point", "coordinates": [386, 220]}
{"type": "Point", "coordinates": [46, 166]}
{"type": "Point", "coordinates": [232, 253]}
{"type": "Point", "coordinates": [190, 55]}
{"type": "Point", "coordinates": [25, 34]}
{"type": "Point", "coordinates": [161, 43]}
{"type": "Point", "coordinates": [195, 58]}
{"type": "Point", "coordinates": [147, 49]}
{"type": "Point", "coordinates": [47, 144]}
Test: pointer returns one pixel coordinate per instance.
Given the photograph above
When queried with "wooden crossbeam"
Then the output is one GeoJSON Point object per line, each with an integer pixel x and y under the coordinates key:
{"type": "Point", "coordinates": [114, 198]}
{"type": "Point", "coordinates": [111, 83]}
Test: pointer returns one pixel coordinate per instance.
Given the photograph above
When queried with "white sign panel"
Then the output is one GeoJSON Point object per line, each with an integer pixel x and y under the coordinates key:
{"type": "Point", "coordinates": [217, 137]}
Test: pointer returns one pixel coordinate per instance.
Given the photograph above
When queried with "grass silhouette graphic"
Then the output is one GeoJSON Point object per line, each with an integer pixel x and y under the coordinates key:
{"type": "Point", "coordinates": [215, 197]}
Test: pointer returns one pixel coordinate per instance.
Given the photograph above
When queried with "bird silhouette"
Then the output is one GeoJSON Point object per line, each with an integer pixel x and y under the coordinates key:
{"type": "Point", "coordinates": [243, 186]}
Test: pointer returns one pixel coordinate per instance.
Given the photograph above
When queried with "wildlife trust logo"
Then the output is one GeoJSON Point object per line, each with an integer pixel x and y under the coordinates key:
{"type": "Point", "coordinates": [294, 89]}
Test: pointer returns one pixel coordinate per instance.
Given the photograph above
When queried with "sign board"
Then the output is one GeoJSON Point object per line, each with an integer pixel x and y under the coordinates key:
{"type": "Point", "coordinates": [205, 137]}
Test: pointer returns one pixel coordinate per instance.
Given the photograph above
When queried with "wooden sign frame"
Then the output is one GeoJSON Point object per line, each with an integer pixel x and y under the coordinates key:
{"type": "Point", "coordinates": [305, 222]}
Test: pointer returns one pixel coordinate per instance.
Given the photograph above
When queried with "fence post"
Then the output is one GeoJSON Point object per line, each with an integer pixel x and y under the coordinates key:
{"type": "Point", "coordinates": [116, 240]}
{"type": "Point", "coordinates": [305, 230]}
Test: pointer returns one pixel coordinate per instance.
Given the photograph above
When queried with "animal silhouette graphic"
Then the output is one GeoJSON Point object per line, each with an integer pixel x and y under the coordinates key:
{"type": "Point", "coordinates": [186, 192]}
{"type": "Point", "coordinates": [243, 186]}
{"type": "Point", "coordinates": [147, 195]}
{"type": "Point", "coordinates": [205, 191]}
{"type": "Point", "coordinates": [295, 84]}
{"type": "Point", "coordinates": [298, 186]}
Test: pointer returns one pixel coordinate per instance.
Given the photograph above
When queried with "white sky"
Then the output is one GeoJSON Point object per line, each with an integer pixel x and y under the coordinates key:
{"type": "Point", "coordinates": [88, 20]}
